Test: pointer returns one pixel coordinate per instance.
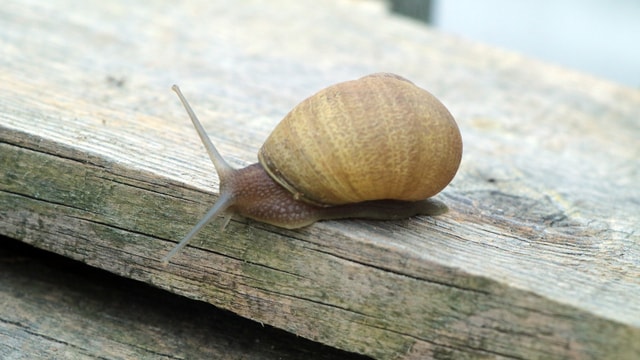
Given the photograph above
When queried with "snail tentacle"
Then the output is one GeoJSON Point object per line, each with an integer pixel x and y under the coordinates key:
{"type": "Point", "coordinates": [224, 201]}
{"type": "Point", "coordinates": [222, 166]}
{"type": "Point", "coordinates": [225, 173]}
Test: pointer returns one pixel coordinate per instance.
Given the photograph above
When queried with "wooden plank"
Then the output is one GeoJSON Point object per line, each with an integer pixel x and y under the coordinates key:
{"type": "Point", "coordinates": [538, 257]}
{"type": "Point", "coordinates": [57, 308]}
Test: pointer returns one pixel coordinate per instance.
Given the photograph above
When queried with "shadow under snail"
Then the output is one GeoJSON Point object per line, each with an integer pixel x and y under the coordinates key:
{"type": "Point", "coordinates": [376, 148]}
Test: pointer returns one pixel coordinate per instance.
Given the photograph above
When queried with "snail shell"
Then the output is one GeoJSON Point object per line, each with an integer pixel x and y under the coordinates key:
{"type": "Point", "coordinates": [378, 137]}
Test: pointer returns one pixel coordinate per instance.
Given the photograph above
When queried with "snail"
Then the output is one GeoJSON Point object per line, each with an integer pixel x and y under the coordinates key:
{"type": "Point", "coordinates": [377, 148]}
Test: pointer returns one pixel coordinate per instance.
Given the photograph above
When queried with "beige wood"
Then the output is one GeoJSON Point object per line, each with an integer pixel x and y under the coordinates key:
{"type": "Point", "coordinates": [539, 256]}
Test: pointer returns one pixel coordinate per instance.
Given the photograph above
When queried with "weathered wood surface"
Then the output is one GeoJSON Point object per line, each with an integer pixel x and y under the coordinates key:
{"type": "Point", "coordinates": [56, 308]}
{"type": "Point", "coordinates": [539, 256]}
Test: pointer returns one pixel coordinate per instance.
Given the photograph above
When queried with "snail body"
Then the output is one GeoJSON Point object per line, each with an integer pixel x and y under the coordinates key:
{"type": "Point", "coordinates": [377, 147]}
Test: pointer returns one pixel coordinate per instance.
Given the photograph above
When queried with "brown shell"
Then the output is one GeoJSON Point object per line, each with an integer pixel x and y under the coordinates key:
{"type": "Point", "coordinates": [378, 137]}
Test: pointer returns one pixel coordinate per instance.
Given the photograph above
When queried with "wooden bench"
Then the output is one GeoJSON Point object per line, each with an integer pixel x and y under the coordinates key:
{"type": "Point", "coordinates": [538, 257]}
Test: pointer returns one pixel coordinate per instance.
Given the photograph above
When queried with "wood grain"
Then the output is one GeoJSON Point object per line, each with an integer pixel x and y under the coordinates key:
{"type": "Point", "coordinates": [539, 256]}
{"type": "Point", "coordinates": [57, 308]}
